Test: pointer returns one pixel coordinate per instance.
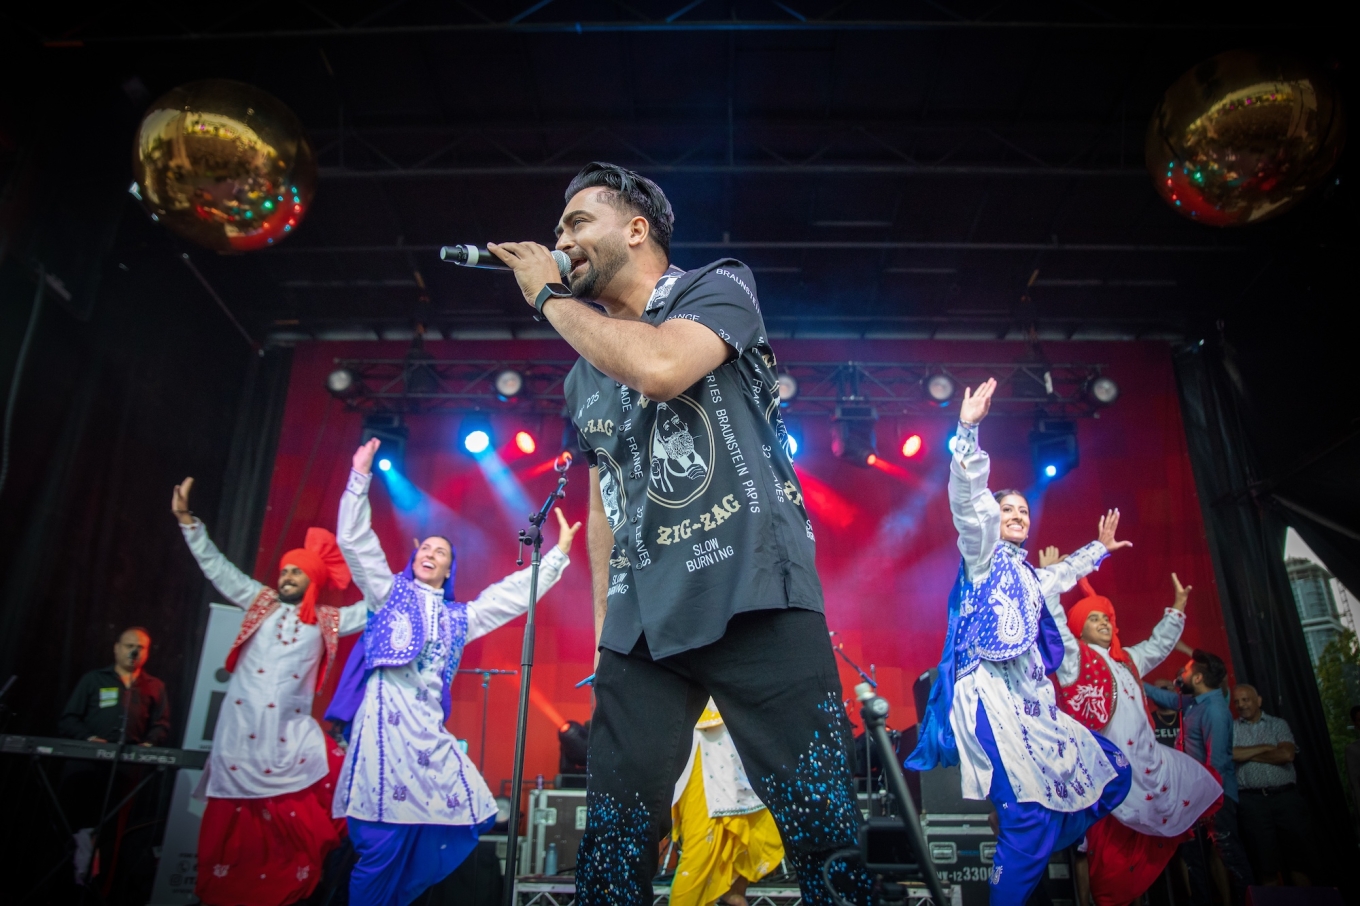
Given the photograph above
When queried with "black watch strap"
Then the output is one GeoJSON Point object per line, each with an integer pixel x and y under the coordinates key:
{"type": "Point", "coordinates": [550, 291]}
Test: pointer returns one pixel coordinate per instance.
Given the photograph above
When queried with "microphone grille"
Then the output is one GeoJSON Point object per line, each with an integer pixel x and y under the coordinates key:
{"type": "Point", "coordinates": [563, 261]}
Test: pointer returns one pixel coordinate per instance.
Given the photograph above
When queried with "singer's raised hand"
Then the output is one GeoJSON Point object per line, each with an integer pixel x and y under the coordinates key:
{"type": "Point", "coordinates": [532, 263]}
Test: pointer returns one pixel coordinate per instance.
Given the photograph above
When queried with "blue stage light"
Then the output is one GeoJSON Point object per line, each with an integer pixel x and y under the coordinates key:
{"type": "Point", "coordinates": [952, 443]}
{"type": "Point", "coordinates": [793, 446]}
{"type": "Point", "coordinates": [1053, 448]}
{"type": "Point", "coordinates": [476, 442]}
{"type": "Point", "coordinates": [385, 464]}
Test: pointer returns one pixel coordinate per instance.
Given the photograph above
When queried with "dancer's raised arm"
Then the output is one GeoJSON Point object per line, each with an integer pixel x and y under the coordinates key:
{"type": "Point", "coordinates": [237, 587]}
{"type": "Point", "coordinates": [354, 531]}
{"type": "Point", "coordinates": [977, 516]}
{"type": "Point", "coordinates": [500, 603]}
{"type": "Point", "coordinates": [1148, 655]}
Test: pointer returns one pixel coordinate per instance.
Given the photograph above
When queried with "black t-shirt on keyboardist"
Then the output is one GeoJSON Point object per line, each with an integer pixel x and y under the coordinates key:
{"type": "Point", "coordinates": [707, 512]}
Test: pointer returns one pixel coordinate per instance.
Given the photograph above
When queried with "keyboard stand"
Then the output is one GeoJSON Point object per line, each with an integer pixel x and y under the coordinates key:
{"type": "Point", "coordinates": [35, 764]}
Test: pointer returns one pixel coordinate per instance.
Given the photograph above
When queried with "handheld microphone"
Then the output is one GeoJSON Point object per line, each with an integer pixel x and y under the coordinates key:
{"type": "Point", "coordinates": [478, 257]}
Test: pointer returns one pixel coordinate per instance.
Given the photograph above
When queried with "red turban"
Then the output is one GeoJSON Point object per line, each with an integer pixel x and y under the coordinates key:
{"type": "Point", "coordinates": [1094, 603]}
{"type": "Point", "coordinates": [320, 558]}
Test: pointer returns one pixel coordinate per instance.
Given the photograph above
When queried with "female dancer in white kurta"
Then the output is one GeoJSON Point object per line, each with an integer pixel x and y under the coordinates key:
{"type": "Point", "coordinates": [727, 837]}
{"type": "Point", "coordinates": [991, 709]}
{"type": "Point", "coordinates": [1101, 686]}
{"type": "Point", "coordinates": [414, 800]}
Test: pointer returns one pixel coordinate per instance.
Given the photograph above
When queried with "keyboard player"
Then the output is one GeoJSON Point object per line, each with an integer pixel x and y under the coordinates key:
{"type": "Point", "coordinates": [107, 702]}
{"type": "Point", "coordinates": [102, 697]}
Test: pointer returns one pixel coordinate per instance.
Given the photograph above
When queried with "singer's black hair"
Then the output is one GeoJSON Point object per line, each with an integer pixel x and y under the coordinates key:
{"type": "Point", "coordinates": [631, 192]}
{"type": "Point", "coordinates": [1210, 667]}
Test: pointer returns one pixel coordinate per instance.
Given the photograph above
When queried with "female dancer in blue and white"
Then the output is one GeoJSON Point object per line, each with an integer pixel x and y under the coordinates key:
{"type": "Point", "coordinates": [415, 803]}
{"type": "Point", "coordinates": [992, 709]}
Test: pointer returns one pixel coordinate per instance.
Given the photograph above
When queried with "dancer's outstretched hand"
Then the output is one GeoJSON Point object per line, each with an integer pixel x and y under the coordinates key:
{"type": "Point", "coordinates": [179, 502]}
{"type": "Point", "coordinates": [1109, 523]}
{"type": "Point", "coordinates": [1182, 593]}
{"type": "Point", "coordinates": [1048, 556]}
{"type": "Point", "coordinates": [565, 532]}
{"type": "Point", "coordinates": [363, 457]}
{"type": "Point", "coordinates": [977, 402]}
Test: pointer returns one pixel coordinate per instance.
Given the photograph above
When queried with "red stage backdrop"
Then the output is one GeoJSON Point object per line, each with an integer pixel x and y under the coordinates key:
{"type": "Point", "coordinates": [885, 543]}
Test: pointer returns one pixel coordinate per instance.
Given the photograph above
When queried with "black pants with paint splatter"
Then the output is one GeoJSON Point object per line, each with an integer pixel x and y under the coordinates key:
{"type": "Point", "coordinates": [773, 677]}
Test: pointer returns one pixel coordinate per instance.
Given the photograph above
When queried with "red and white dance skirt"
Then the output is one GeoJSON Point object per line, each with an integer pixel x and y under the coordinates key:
{"type": "Point", "coordinates": [268, 852]}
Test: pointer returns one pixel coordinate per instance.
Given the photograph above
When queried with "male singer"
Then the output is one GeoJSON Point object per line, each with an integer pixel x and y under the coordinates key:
{"type": "Point", "coordinates": [701, 551]}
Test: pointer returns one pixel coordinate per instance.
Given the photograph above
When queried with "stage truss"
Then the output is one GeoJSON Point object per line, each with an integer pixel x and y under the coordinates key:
{"type": "Point", "coordinates": [413, 385]}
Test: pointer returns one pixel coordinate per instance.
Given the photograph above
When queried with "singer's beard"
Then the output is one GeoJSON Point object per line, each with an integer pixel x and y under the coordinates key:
{"type": "Point", "coordinates": [609, 258]}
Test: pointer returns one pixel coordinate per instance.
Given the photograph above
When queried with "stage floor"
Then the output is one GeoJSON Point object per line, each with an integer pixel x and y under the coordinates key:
{"type": "Point", "coordinates": [561, 891]}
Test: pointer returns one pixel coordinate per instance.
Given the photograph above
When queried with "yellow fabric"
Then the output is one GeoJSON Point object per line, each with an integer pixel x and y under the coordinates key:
{"type": "Point", "coordinates": [710, 718]}
{"type": "Point", "coordinates": [714, 851]}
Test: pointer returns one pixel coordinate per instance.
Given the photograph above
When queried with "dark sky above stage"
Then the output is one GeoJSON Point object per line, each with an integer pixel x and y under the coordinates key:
{"type": "Point", "coordinates": [891, 168]}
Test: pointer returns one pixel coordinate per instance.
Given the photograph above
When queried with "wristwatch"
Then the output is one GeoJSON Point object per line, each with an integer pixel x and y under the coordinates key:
{"type": "Point", "coordinates": [550, 291]}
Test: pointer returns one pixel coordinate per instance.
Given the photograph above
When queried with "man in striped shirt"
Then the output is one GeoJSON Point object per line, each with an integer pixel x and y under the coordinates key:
{"type": "Point", "coordinates": [1272, 815]}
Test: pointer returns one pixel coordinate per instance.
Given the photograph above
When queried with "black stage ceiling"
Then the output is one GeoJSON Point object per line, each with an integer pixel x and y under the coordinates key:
{"type": "Point", "coordinates": [905, 169]}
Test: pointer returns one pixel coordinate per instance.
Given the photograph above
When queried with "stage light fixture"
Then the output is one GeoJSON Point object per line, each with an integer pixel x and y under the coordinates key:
{"type": "Point", "coordinates": [572, 740]}
{"type": "Point", "coordinates": [853, 438]}
{"type": "Point", "coordinates": [342, 383]}
{"type": "Point", "coordinates": [788, 388]}
{"type": "Point", "coordinates": [392, 435]}
{"type": "Point", "coordinates": [1053, 448]}
{"type": "Point", "coordinates": [939, 388]}
{"type": "Point", "coordinates": [1103, 390]}
{"type": "Point", "coordinates": [474, 434]}
{"type": "Point", "coordinates": [911, 446]}
{"type": "Point", "coordinates": [525, 442]}
{"type": "Point", "coordinates": [952, 443]}
{"type": "Point", "coordinates": [793, 446]}
{"type": "Point", "coordinates": [509, 383]}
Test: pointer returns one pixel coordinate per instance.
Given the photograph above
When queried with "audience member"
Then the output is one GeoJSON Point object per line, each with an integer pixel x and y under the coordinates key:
{"type": "Point", "coordinates": [1272, 815]}
{"type": "Point", "coordinates": [1207, 731]}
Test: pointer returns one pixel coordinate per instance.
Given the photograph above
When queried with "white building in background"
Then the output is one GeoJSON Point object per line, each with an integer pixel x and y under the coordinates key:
{"type": "Point", "coordinates": [1326, 607]}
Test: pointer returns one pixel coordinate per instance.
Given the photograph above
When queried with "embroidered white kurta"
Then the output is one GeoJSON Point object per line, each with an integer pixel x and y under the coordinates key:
{"type": "Point", "coordinates": [1049, 758]}
{"type": "Point", "coordinates": [266, 742]}
{"type": "Point", "coordinates": [403, 766]}
{"type": "Point", "coordinates": [727, 789]}
{"type": "Point", "coordinates": [1170, 789]}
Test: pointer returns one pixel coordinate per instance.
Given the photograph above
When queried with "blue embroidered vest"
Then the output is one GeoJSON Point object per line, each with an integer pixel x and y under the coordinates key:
{"type": "Point", "coordinates": [996, 619]}
{"type": "Point", "coordinates": [999, 616]}
{"type": "Point", "coordinates": [395, 636]}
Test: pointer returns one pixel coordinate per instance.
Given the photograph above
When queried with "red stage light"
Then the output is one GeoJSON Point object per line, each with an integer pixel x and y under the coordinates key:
{"type": "Point", "coordinates": [525, 441]}
{"type": "Point", "coordinates": [871, 459]}
{"type": "Point", "coordinates": [911, 446]}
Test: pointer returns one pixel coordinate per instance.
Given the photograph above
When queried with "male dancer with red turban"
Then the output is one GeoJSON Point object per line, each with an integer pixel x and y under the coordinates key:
{"type": "Point", "coordinates": [271, 775]}
{"type": "Point", "coordinates": [1099, 683]}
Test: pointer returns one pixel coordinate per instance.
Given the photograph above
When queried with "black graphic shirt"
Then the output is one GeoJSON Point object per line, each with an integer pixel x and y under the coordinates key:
{"type": "Point", "coordinates": [700, 491]}
{"type": "Point", "coordinates": [1167, 728]}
